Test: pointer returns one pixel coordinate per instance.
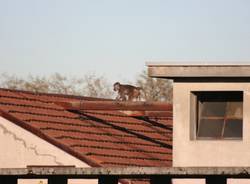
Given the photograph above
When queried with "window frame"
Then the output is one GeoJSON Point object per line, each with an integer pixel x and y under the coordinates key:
{"type": "Point", "coordinates": [194, 116]}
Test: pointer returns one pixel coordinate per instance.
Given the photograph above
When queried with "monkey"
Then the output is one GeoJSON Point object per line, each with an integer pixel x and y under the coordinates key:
{"type": "Point", "coordinates": [127, 92]}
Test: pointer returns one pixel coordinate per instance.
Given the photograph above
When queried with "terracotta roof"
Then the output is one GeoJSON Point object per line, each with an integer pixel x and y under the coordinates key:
{"type": "Point", "coordinates": [99, 138]}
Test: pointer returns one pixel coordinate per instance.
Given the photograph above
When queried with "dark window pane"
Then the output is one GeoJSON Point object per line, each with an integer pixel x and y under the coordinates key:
{"type": "Point", "coordinates": [213, 109]}
{"type": "Point", "coordinates": [219, 96]}
{"type": "Point", "coordinates": [210, 128]}
{"type": "Point", "coordinates": [233, 128]}
{"type": "Point", "coordinates": [234, 110]}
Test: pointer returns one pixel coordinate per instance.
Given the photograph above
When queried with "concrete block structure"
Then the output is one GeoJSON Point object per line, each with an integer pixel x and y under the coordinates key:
{"type": "Point", "coordinates": [211, 114]}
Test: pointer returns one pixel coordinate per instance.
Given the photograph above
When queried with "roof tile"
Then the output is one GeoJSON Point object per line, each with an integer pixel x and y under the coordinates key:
{"type": "Point", "coordinates": [109, 138]}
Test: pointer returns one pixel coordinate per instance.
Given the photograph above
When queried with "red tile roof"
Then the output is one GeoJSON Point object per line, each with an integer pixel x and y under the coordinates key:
{"type": "Point", "coordinates": [99, 138]}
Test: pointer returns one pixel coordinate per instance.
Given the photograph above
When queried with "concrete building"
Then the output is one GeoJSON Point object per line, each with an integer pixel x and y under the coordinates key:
{"type": "Point", "coordinates": [210, 113]}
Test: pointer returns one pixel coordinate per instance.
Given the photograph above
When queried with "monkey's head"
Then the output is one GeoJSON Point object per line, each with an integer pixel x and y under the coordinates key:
{"type": "Point", "coordinates": [116, 86]}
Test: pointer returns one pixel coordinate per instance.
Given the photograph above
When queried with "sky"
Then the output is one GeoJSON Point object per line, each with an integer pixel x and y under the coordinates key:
{"type": "Point", "coordinates": [115, 38]}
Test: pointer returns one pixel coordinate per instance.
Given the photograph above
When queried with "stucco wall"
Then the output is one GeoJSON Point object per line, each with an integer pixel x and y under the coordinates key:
{"type": "Point", "coordinates": [187, 152]}
{"type": "Point", "coordinates": [20, 148]}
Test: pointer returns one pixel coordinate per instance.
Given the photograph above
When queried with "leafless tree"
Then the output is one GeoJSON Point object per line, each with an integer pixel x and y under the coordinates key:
{"type": "Point", "coordinates": [155, 89]}
{"type": "Point", "coordinates": [90, 85]}
{"type": "Point", "coordinates": [97, 86]}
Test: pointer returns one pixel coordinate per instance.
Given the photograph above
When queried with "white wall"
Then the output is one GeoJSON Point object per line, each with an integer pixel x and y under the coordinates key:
{"type": "Point", "coordinates": [187, 152]}
{"type": "Point", "coordinates": [20, 148]}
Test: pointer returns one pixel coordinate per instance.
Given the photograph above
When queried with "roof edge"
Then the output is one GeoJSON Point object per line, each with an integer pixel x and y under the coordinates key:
{"type": "Point", "coordinates": [229, 72]}
{"type": "Point", "coordinates": [192, 63]}
{"type": "Point", "coordinates": [90, 162]}
{"type": "Point", "coordinates": [18, 122]}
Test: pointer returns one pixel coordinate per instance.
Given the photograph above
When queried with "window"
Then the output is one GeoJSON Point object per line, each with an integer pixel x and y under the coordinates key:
{"type": "Point", "coordinates": [219, 114]}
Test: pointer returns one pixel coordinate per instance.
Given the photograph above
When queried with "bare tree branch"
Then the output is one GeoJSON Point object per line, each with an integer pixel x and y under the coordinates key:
{"type": "Point", "coordinates": [155, 89]}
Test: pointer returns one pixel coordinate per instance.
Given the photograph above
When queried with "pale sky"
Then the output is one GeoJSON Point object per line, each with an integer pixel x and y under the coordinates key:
{"type": "Point", "coordinates": [116, 37]}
